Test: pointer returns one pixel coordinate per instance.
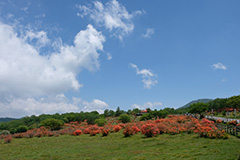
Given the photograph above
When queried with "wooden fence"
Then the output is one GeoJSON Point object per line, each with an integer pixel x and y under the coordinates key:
{"type": "Point", "coordinates": [230, 129]}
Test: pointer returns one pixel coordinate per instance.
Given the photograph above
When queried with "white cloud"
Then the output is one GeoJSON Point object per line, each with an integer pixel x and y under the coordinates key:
{"type": "Point", "coordinates": [148, 78]}
{"type": "Point", "coordinates": [112, 15]}
{"type": "Point", "coordinates": [95, 105]}
{"type": "Point", "coordinates": [25, 73]}
{"type": "Point", "coordinates": [219, 66]}
{"type": "Point", "coordinates": [149, 33]}
{"type": "Point", "coordinates": [40, 38]}
{"type": "Point", "coordinates": [151, 105]}
{"type": "Point", "coordinates": [109, 56]}
{"type": "Point", "coordinates": [20, 107]}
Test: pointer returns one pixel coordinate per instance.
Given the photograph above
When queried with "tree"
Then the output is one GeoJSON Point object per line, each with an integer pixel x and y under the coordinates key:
{"type": "Point", "coordinates": [234, 102]}
{"type": "Point", "coordinates": [53, 124]}
{"type": "Point", "coordinates": [100, 121]}
{"type": "Point", "coordinates": [21, 129]}
{"type": "Point", "coordinates": [106, 113]}
{"type": "Point", "coordinates": [118, 112]}
{"type": "Point", "coordinates": [124, 118]}
{"type": "Point", "coordinates": [198, 108]}
{"type": "Point", "coordinates": [111, 113]}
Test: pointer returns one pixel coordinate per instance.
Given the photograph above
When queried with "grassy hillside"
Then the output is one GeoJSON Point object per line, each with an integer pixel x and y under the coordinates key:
{"type": "Point", "coordinates": [115, 146]}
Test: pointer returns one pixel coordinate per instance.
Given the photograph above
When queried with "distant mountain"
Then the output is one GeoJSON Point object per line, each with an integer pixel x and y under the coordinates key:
{"type": "Point", "coordinates": [6, 119]}
{"type": "Point", "coordinates": [195, 101]}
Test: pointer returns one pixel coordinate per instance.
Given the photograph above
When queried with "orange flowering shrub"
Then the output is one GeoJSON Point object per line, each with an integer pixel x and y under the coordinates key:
{"type": "Point", "coordinates": [8, 139]}
{"type": "Point", "coordinates": [77, 132]}
{"type": "Point", "coordinates": [150, 130]}
{"type": "Point", "coordinates": [105, 132]}
{"type": "Point", "coordinates": [130, 130]}
{"type": "Point", "coordinates": [233, 122]}
{"type": "Point", "coordinates": [218, 121]}
{"type": "Point", "coordinates": [117, 128]}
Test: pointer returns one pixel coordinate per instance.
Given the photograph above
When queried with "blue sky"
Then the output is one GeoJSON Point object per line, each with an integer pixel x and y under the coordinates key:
{"type": "Point", "coordinates": [71, 56]}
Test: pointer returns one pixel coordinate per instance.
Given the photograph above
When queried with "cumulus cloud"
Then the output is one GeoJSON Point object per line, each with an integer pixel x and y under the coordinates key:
{"type": "Point", "coordinates": [219, 66]}
{"type": "Point", "coordinates": [112, 15]}
{"type": "Point", "coordinates": [148, 78]}
{"type": "Point", "coordinates": [95, 105]}
{"type": "Point", "coordinates": [31, 83]}
{"type": "Point", "coordinates": [109, 56]}
{"type": "Point", "coordinates": [40, 38]}
{"type": "Point", "coordinates": [149, 33]}
{"type": "Point", "coordinates": [151, 105]}
{"type": "Point", "coordinates": [24, 72]}
{"type": "Point", "coordinates": [20, 107]}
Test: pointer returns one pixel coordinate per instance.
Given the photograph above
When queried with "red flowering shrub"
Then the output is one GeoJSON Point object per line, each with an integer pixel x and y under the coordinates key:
{"type": "Point", "coordinates": [94, 132]}
{"type": "Point", "coordinates": [218, 121]}
{"type": "Point", "coordinates": [8, 139]}
{"type": "Point", "coordinates": [117, 128]}
{"type": "Point", "coordinates": [105, 132]}
{"type": "Point", "coordinates": [234, 122]}
{"type": "Point", "coordinates": [135, 129]}
{"type": "Point", "coordinates": [87, 131]}
{"type": "Point", "coordinates": [77, 132]}
{"type": "Point", "coordinates": [149, 130]}
{"type": "Point", "coordinates": [128, 131]}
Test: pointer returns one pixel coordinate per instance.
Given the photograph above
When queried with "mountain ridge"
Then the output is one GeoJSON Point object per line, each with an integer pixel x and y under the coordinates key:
{"type": "Point", "coordinates": [203, 100]}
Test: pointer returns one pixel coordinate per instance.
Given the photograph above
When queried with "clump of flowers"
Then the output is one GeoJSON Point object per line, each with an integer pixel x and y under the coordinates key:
{"type": "Point", "coordinates": [105, 132]}
{"type": "Point", "coordinates": [87, 131]}
{"type": "Point", "coordinates": [94, 132]}
{"type": "Point", "coordinates": [128, 131]}
{"type": "Point", "coordinates": [77, 132]}
{"type": "Point", "coordinates": [8, 139]}
{"type": "Point", "coordinates": [233, 122]}
{"type": "Point", "coordinates": [218, 121]}
{"type": "Point", "coordinates": [149, 130]}
{"type": "Point", "coordinates": [117, 128]}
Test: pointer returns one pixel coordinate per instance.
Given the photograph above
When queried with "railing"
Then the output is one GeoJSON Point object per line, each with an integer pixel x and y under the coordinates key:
{"type": "Point", "coordinates": [230, 129]}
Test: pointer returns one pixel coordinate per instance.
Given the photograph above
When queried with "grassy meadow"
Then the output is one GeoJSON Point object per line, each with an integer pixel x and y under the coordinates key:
{"type": "Point", "coordinates": [116, 146]}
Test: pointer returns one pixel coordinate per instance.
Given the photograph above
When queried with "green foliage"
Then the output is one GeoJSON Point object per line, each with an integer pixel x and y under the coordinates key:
{"type": "Point", "coordinates": [124, 118]}
{"type": "Point", "coordinates": [154, 114]}
{"type": "Point", "coordinates": [145, 117]}
{"type": "Point", "coordinates": [6, 119]}
{"type": "Point", "coordinates": [53, 124]}
{"type": "Point", "coordinates": [234, 102]}
{"type": "Point", "coordinates": [118, 112]}
{"type": "Point", "coordinates": [100, 121]}
{"type": "Point", "coordinates": [198, 108]}
{"type": "Point", "coordinates": [21, 129]}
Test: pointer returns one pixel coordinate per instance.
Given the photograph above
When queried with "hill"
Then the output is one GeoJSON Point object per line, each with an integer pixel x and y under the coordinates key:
{"type": "Point", "coordinates": [6, 119]}
{"type": "Point", "coordinates": [205, 100]}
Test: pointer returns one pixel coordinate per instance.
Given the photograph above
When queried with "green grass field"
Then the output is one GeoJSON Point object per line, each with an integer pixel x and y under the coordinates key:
{"type": "Point", "coordinates": [115, 146]}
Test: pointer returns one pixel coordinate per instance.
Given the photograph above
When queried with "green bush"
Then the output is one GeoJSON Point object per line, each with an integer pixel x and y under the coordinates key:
{"type": "Point", "coordinates": [124, 118]}
{"type": "Point", "coordinates": [100, 121]}
{"type": "Point", "coordinates": [53, 124]}
{"type": "Point", "coordinates": [21, 129]}
{"type": "Point", "coordinates": [145, 117]}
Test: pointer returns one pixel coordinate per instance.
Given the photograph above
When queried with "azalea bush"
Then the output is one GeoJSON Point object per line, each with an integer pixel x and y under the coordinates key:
{"type": "Point", "coordinates": [8, 139]}
{"type": "Point", "coordinates": [173, 124]}
{"type": "Point", "coordinates": [150, 130]}
{"type": "Point", "coordinates": [105, 132]}
{"type": "Point", "coordinates": [218, 121]}
{"type": "Point", "coordinates": [77, 132]}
